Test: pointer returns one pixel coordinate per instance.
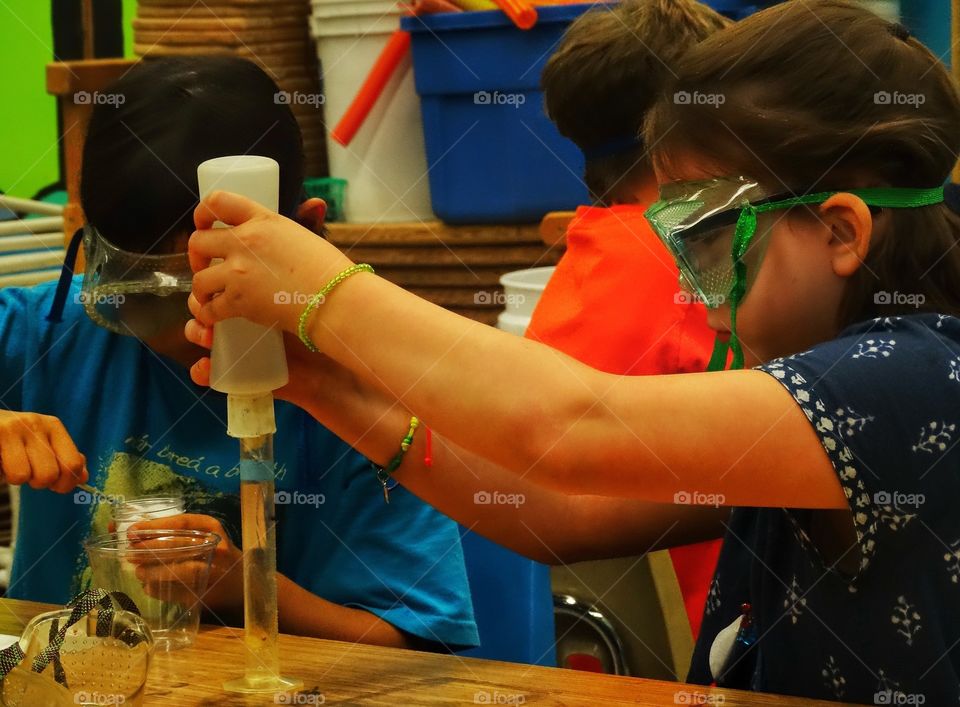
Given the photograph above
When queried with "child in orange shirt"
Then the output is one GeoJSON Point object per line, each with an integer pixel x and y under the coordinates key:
{"type": "Point", "coordinates": [614, 301]}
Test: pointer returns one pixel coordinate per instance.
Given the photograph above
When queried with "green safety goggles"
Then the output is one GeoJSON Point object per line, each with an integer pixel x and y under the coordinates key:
{"type": "Point", "coordinates": [710, 227]}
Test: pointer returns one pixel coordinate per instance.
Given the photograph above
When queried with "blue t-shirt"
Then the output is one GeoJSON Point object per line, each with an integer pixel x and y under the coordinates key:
{"type": "Point", "coordinates": [146, 428]}
{"type": "Point", "coordinates": [884, 400]}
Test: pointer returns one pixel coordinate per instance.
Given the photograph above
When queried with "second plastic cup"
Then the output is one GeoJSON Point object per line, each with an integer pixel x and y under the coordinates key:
{"type": "Point", "coordinates": [165, 572]}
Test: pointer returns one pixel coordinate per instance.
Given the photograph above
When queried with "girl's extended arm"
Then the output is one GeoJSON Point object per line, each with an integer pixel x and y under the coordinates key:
{"type": "Point", "coordinates": [737, 438]}
{"type": "Point", "coordinates": [505, 507]}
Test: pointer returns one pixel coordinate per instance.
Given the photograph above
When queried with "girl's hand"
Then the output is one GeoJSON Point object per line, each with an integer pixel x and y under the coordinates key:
{"type": "Point", "coordinates": [270, 264]}
{"type": "Point", "coordinates": [171, 580]}
{"type": "Point", "coordinates": [37, 450]}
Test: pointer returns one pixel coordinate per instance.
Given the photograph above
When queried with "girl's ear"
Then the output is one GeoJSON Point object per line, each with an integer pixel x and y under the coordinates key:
{"type": "Point", "coordinates": [851, 229]}
{"type": "Point", "coordinates": [311, 214]}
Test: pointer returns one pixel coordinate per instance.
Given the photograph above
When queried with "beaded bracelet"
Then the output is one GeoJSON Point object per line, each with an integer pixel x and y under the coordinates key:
{"type": "Point", "coordinates": [383, 473]}
{"type": "Point", "coordinates": [318, 299]}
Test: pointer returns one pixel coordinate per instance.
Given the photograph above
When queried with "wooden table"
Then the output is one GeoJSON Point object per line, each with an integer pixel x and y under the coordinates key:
{"type": "Point", "coordinates": [352, 674]}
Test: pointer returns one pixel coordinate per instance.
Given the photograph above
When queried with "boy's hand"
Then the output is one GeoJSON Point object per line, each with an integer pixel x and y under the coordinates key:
{"type": "Point", "coordinates": [37, 450]}
{"type": "Point", "coordinates": [225, 584]}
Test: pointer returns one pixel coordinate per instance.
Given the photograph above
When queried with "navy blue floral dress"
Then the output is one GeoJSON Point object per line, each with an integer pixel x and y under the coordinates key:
{"type": "Point", "coordinates": [884, 399]}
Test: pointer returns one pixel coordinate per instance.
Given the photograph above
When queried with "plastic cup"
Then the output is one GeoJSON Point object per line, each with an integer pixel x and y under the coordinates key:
{"type": "Point", "coordinates": [110, 669]}
{"type": "Point", "coordinates": [165, 572]}
{"type": "Point", "coordinates": [146, 508]}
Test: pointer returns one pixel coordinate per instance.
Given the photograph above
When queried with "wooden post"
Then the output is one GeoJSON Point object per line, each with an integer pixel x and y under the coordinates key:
{"type": "Point", "coordinates": [86, 27]}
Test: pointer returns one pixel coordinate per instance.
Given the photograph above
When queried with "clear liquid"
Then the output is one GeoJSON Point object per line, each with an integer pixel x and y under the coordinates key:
{"type": "Point", "coordinates": [260, 582]}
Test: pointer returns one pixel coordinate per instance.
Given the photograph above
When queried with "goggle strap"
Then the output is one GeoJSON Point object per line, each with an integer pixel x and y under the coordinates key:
{"type": "Point", "coordinates": [882, 197]}
{"type": "Point", "coordinates": [66, 275]}
{"type": "Point", "coordinates": [718, 359]}
{"type": "Point", "coordinates": [746, 227]}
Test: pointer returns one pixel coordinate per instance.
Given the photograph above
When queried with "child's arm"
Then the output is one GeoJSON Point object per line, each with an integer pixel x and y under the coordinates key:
{"type": "Point", "coordinates": [505, 507]}
{"type": "Point", "coordinates": [734, 438]}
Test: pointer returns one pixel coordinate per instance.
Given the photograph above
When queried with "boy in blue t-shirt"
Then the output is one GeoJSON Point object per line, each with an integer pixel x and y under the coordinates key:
{"type": "Point", "coordinates": [349, 566]}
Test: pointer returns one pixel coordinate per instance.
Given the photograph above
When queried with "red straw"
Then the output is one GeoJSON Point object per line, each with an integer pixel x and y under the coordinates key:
{"type": "Point", "coordinates": [523, 14]}
{"type": "Point", "coordinates": [383, 69]}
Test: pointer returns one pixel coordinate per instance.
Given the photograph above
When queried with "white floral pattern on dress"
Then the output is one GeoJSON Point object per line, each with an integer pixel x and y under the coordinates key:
{"type": "Point", "coordinates": [832, 677]}
{"type": "Point", "coordinates": [907, 619]}
{"type": "Point", "coordinates": [875, 348]}
{"type": "Point", "coordinates": [895, 517]}
{"type": "Point", "coordinates": [850, 421]}
{"type": "Point", "coordinates": [935, 437]}
{"type": "Point", "coordinates": [832, 433]}
{"type": "Point", "coordinates": [795, 602]}
{"type": "Point", "coordinates": [952, 558]}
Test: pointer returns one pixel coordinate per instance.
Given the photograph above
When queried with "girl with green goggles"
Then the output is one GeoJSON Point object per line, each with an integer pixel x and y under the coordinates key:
{"type": "Point", "coordinates": [710, 228]}
{"type": "Point", "coordinates": [830, 467]}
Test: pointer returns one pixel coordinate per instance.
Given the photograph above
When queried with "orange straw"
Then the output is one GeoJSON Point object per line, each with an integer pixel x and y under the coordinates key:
{"type": "Point", "coordinates": [388, 61]}
{"type": "Point", "coordinates": [523, 14]}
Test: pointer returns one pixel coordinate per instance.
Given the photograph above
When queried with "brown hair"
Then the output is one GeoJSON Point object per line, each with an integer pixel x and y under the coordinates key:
{"type": "Point", "coordinates": [611, 65]}
{"type": "Point", "coordinates": [824, 94]}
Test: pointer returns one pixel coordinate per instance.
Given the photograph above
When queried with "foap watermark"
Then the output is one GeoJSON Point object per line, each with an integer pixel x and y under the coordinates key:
{"type": "Point", "coordinates": [98, 698]}
{"type": "Point", "coordinates": [687, 697]}
{"type": "Point", "coordinates": [496, 297]}
{"type": "Point", "coordinates": [696, 498]}
{"type": "Point", "coordinates": [897, 499]}
{"type": "Point", "coordinates": [298, 498]}
{"type": "Point", "coordinates": [495, 697]}
{"type": "Point", "coordinates": [696, 98]}
{"type": "Point", "coordinates": [895, 697]}
{"type": "Point", "coordinates": [896, 98]}
{"type": "Point", "coordinates": [910, 299]}
{"type": "Point", "coordinates": [298, 298]}
{"type": "Point", "coordinates": [299, 98]}
{"type": "Point", "coordinates": [684, 297]}
{"type": "Point", "coordinates": [299, 698]}
{"type": "Point", "coordinates": [96, 98]}
{"type": "Point", "coordinates": [85, 498]}
{"type": "Point", "coordinates": [100, 299]}
{"type": "Point", "coordinates": [497, 498]}
{"type": "Point", "coordinates": [497, 98]}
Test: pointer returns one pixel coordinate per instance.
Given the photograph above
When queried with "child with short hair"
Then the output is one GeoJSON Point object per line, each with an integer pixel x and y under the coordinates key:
{"type": "Point", "coordinates": [109, 378]}
{"type": "Point", "coordinates": [614, 301]}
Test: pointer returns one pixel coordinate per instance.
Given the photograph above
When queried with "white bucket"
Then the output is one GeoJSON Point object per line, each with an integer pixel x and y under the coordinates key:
{"type": "Point", "coordinates": [521, 292]}
{"type": "Point", "coordinates": [385, 165]}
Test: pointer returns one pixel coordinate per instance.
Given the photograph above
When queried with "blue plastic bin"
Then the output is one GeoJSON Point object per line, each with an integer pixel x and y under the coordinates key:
{"type": "Point", "coordinates": [493, 154]}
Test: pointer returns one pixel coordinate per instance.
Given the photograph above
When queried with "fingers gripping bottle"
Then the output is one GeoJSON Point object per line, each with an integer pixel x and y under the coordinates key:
{"type": "Point", "coordinates": [248, 363]}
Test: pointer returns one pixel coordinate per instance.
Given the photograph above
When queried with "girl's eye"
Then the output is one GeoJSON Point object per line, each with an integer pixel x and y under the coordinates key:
{"type": "Point", "coordinates": [706, 238]}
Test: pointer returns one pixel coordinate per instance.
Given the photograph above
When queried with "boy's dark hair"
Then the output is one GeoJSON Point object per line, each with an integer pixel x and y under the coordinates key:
{"type": "Point", "coordinates": [138, 183]}
{"type": "Point", "coordinates": [821, 95]}
{"type": "Point", "coordinates": [610, 67]}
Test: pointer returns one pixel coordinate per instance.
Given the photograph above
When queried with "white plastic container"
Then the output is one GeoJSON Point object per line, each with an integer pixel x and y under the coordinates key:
{"type": "Point", "coordinates": [385, 165]}
{"type": "Point", "coordinates": [522, 290]}
{"type": "Point", "coordinates": [247, 361]}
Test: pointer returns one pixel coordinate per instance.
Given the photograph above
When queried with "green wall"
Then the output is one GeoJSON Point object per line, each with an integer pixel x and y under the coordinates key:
{"type": "Point", "coordinates": [28, 120]}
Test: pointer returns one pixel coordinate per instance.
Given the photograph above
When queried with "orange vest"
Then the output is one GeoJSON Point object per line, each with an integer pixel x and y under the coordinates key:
{"type": "Point", "coordinates": [615, 304]}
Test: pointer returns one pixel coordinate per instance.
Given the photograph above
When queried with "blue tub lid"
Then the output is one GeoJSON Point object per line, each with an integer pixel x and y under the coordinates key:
{"type": "Point", "coordinates": [444, 21]}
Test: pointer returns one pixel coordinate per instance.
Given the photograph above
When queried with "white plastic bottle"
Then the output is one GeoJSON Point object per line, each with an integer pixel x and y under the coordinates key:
{"type": "Point", "coordinates": [248, 361]}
